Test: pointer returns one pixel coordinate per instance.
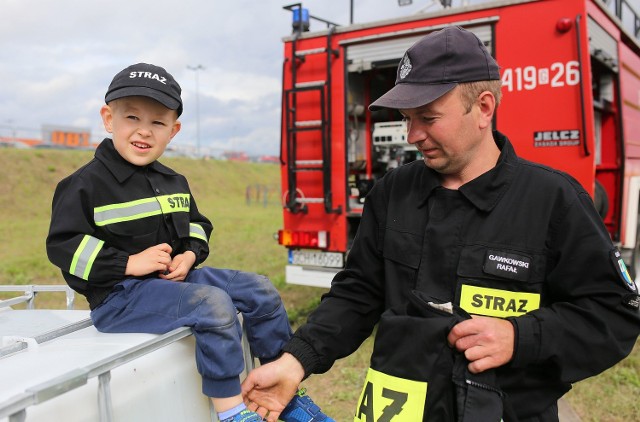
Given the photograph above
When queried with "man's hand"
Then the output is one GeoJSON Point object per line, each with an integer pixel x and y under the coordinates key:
{"type": "Point", "coordinates": [269, 388]}
{"type": "Point", "coordinates": [154, 259]}
{"type": "Point", "coordinates": [486, 342]}
{"type": "Point", "coordinates": [180, 266]}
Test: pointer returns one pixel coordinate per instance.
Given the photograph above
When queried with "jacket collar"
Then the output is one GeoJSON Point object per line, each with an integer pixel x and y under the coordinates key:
{"type": "Point", "coordinates": [484, 191]}
{"type": "Point", "coordinates": [121, 169]}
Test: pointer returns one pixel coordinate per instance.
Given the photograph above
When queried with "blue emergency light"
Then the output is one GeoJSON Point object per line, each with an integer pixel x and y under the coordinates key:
{"type": "Point", "coordinates": [300, 23]}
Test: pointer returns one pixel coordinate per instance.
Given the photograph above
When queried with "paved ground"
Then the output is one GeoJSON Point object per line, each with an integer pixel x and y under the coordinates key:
{"type": "Point", "coordinates": [566, 413]}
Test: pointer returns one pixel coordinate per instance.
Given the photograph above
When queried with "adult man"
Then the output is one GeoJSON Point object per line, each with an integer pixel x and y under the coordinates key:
{"type": "Point", "coordinates": [477, 229]}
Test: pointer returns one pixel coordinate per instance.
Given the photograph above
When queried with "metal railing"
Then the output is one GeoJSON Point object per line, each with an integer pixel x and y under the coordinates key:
{"type": "Point", "coordinates": [30, 292]}
{"type": "Point", "coordinates": [16, 407]}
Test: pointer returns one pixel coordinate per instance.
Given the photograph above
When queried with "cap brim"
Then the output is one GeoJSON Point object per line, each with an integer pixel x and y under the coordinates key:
{"type": "Point", "coordinates": [405, 96]}
{"type": "Point", "coordinates": [132, 91]}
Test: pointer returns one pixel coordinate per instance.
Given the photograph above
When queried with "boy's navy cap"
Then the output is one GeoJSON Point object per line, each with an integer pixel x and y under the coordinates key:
{"type": "Point", "coordinates": [435, 65]}
{"type": "Point", "coordinates": [146, 80]}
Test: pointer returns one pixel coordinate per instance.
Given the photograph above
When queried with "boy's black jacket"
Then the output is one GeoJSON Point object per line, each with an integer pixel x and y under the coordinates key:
{"type": "Point", "coordinates": [109, 180]}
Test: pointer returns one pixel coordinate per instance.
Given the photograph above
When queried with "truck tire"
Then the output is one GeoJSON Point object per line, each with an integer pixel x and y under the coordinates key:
{"type": "Point", "coordinates": [634, 264]}
{"type": "Point", "coordinates": [601, 200]}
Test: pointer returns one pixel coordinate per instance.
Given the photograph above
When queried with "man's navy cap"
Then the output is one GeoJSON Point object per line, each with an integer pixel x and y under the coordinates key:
{"type": "Point", "coordinates": [436, 64]}
{"type": "Point", "coordinates": [146, 80]}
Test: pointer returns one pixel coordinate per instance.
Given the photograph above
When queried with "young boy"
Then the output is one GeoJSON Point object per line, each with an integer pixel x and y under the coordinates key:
{"type": "Point", "coordinates": [127, 234]}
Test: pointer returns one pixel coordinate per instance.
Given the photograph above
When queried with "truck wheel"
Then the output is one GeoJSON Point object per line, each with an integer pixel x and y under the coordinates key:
{"type": "Point", "coordinates": [601, 200]}
{"type": "Point", "coordinates": [634, 266]}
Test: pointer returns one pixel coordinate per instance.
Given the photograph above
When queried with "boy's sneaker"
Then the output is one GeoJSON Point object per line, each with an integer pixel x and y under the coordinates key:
{"type": "Point", "coordinates": [244, 416]}
{"type": "Point", "coordinates": [302, 409]}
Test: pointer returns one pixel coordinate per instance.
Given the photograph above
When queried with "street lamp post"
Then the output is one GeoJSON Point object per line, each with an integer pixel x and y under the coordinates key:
{"type": "Point", "coordinates": [196, 69]}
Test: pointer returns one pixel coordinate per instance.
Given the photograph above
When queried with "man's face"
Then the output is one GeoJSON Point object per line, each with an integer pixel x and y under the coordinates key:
{"type": "Point", "coordinates": [447, 136]}
{"type": "Point", "coordinates": [141, 128]}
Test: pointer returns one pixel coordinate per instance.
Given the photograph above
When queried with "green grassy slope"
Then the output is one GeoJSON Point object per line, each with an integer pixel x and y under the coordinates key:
{"type": "Point", "coordinates": [242, 238]}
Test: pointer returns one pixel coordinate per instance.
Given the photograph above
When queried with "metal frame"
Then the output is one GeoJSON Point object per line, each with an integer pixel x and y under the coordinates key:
{"type": "Point", "coordinates": [31, 291]}
{"type": "Point", "coordinates": [16, 407]}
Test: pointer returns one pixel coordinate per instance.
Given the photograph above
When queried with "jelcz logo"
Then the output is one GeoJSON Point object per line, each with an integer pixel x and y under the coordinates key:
{"type": "Point", "coordinates": [556, 138]}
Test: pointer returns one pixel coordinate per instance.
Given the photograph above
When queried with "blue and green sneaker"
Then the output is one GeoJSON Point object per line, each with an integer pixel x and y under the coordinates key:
{"type": "Point", "coordinates": [302, 409]}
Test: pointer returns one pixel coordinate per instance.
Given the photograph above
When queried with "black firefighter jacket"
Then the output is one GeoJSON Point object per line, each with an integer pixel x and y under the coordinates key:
{"type": "Point", "coordinates": [110, 209]}
{"type": "Point", "coordinates": [522, 242]}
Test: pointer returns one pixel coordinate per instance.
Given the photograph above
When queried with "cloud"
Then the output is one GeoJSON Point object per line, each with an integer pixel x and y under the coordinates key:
{"type": "Point", "coordinates": [236, 84]}
{"type": "Point", "coordinates": [59, 57]}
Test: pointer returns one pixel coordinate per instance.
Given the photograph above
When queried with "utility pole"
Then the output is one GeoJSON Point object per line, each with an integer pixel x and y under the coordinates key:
{"type": "Point", "coordinates": [196, 69]}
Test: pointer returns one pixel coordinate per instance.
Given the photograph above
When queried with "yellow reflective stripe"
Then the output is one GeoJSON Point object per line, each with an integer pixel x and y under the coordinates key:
{"type": "Point", "coordinates": [385, 397]}
{"type": "Point", "coordinates": [84, 256]}
{"type": "Point", "coordinates": [141, 208]}
{"type": "Point", "coordinates": [196, 230]}
{"type": "Point", "coordinates": [497, 303]}
{"type": "Point", "coordinates": [126, 211]}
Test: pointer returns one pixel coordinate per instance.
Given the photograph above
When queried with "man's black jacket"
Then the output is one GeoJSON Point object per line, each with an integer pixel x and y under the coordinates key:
{"type": "Point", "coordinates": [521, 241]}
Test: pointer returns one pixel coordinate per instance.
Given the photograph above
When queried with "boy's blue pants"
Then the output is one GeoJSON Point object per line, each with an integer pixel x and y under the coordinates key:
{"type": "Point", "coordinates": [207, 301]}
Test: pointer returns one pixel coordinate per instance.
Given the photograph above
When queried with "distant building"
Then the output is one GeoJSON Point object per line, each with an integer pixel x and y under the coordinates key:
{"type": "Point", "coordinates": [273, 159]}
{"type": "Point", "coordinates": [66, 137]}
{"type": "Point", "coordinates": [235, 156]}
{"type": "Point", "coordinates": [6, 141]}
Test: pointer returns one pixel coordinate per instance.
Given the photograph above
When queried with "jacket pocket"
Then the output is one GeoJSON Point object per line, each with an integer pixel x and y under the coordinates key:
{"type": "Point", "coordinates": [499, 281]}
{"type": "Point", "coordinates": [135, 228]}
{"type": "Point", "coordinates": [413, 367]}
{"type": "Point", "coordinates": [180, 222]}
{"type": "Point", "coordinates": [134, 235]}
{"type": "Point", "coordinates": [402, 247]}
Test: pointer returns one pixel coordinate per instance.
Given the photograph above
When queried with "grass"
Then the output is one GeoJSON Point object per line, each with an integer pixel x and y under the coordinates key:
{"type": "Point", "coordinates": [242, 238]}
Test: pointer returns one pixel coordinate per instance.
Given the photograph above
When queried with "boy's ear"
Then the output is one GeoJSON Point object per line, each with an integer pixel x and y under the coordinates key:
{"type": "Point", "coordinates": [107, 117]}
{"type": "Point", "coordinates": [175, 129]}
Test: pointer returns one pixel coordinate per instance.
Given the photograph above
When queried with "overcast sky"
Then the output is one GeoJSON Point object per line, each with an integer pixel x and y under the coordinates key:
{"type": "Point", "coordinates": [58, 57]}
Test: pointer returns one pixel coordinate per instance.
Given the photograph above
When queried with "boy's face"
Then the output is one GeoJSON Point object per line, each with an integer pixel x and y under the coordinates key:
{"type": "Point", "coordinates": [141, 128]}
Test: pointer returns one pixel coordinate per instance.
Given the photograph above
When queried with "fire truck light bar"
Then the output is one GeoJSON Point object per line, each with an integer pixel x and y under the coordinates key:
{"type": "Point", "coordinates": [303, 239]}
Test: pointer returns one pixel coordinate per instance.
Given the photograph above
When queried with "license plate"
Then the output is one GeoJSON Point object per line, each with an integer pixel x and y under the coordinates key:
{"type": "Point", "coordinates": [316, 258]}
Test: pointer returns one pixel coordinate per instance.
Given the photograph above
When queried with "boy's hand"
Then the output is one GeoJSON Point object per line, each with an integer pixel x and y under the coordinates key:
{"type": "Point", "coordinates": [154, 259]}
{"type": "Point", "coordinates": [179, 267]}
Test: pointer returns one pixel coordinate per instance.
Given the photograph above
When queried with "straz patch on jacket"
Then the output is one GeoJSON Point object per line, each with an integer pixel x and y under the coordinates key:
{"type": "Point", "coordinates": [507, 265]}
{"type": "Point", "coordinates": [388, 398]}
{"type": "Point", "coordinates": [497, 303]}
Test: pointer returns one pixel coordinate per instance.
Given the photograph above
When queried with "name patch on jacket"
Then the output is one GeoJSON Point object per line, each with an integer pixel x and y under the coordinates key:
{"type": "Point", "coordinates": [507, 265]}
{"type": "Point", "coordinates": [386, 398]}
{"type": "Point", "coordinates": [497, 303]}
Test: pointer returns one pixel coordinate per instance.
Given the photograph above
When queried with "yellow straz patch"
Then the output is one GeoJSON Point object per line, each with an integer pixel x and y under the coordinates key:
{"type": "Point", "coordinates": [388, 398]}
{"type": "Point", "coordinates": [178, 202]}
{"type": "Point", "coordinates": [497, 303]}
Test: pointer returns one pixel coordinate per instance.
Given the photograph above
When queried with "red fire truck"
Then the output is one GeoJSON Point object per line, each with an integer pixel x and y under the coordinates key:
{"type": "Point", "coordinates": [571, 84]}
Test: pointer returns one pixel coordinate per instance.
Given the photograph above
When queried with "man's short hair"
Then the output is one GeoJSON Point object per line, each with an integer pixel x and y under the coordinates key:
{"type": "Point", "coordinates": [470, 91]}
